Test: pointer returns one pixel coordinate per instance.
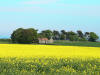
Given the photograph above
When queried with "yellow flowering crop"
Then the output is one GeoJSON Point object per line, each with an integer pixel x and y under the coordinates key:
{"type": "Point", "coordinates": [18, 50]}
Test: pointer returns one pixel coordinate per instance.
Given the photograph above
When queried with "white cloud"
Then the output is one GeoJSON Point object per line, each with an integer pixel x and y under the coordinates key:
{"type": "Point", "coordinates": [39, 2]}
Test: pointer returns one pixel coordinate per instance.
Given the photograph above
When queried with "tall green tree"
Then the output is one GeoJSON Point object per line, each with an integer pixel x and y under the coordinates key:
{"type": "Point", "coordinates": [72, 36]}
{"type": "Point", "coordinates": [93, 37]}
{"type": "Point", "coordinates": [24, 36]}
{"type": "Point", "coordinates": [56, 35]}
{"type": "Point", "coordinates": [80, 34]}
{"type": "Point", "coordinates": [87, 35]}
{"type": "Point", "coordinates": [47, 34]}
{"type": "Point", "coordinates": [63, 31]}
{"type": "Point", "coordinates": [63, 35]}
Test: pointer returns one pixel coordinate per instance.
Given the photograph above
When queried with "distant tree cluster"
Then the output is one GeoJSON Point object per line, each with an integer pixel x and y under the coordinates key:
{"type": "Point", "coordinates": [30, 35]}
{"type": "Point", "coordinates": [24, 36]}
{"type": "Point", "coordinates": [70, 35]}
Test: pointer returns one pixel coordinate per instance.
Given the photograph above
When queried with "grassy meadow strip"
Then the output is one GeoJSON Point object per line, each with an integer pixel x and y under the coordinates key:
{"type": "Point", "coordinates": [76, 43]}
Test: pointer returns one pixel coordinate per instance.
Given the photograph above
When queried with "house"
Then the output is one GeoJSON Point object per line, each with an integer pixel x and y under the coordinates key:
{"type": "Point", "coordinates": [45, 40]}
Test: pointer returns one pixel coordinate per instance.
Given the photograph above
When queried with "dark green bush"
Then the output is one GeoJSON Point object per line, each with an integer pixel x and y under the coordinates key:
{"type": "Point", "coordinates": [25, 36]}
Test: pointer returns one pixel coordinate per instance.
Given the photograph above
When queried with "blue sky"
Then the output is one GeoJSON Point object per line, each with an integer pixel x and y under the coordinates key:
{"type": "Point", "coordinates": [49, 14]}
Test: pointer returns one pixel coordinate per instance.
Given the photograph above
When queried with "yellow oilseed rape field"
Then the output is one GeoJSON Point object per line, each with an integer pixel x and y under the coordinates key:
{"type": "Point", "coordinates": [20, 59]}
{"type": "Point", "coordinates": [15, 50]}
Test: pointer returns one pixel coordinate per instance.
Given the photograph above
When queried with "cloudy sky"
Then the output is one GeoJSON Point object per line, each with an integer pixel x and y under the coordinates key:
{"type": "Point", "coordinates": [49, 14]}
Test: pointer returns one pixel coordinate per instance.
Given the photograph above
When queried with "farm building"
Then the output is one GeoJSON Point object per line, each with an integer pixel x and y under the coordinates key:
{"type": "Point", "coordinates": [45, 40]}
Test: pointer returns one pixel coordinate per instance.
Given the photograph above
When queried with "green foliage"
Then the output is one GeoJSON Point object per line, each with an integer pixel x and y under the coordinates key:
{"type": "Point", "coordinates": [80, 34]}
{"type": "Point", "coordinates": [56, 35]}
{"type": "Point", "coordinates": [71, 33]}
{"type": "Point", "coordinates": [49, 66]}
{"type": "Point", "coordinates": [63, 37]}
{"type": "Point", "coordinates": [93, 37]}
{"type": "Point", "coordinates": [82, 39]}
{"type": "Point", "coordinates": [30, 35]}
{"type": "Point", "coordinates": [46, 34]}
{"type": "Point", "coordinates": [87, 33]}
{"type": "Point", "coordinates": [25, 36]}
{"type": "Point", "coordinates": [73, 38]}
{"type": "Point", "coordinates": [63, 32]}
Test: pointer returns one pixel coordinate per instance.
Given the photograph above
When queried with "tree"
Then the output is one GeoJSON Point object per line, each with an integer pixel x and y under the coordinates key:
{"type": "Point", "coordinates": [63, 31]}
{"type": "Point", "coordinates": [93, 37]}
{"type": "Point", "coordinates": [47, 34]}
{"type": "Point", "coordinates": [63, 35]}
{"type": "Point", "coordinates": [87, 35]}
{"type": "Point", "coordinates": [56, 35]}
{"type": "Point", "coordinates": [15, 33]}
{"type": "Point", "coordinates": [40, 35]}
{"type": "Point", "coordinates": [82, 39]}
{"type": "Point", "coordinates": [73, 38]}
{"type": "Point", "coordinates": [80, 34]}
{"type": "Point", "coordinates": [71, 35]}
{"type": "Point", "coordinates": [24, 36]}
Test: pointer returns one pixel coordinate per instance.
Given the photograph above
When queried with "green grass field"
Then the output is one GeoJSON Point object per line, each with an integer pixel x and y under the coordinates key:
{"type": "Point", "coordinates": [76, 43]}
{"type": "Point", "coordinates": [5, 41]}
{"type": "Point", "coordinates": [49, 66]}
{"type": "Point", "coordinates": [62, 42]}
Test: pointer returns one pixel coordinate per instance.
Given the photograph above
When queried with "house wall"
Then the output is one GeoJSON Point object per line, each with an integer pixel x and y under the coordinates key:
{"type": "Point", "coordinates": [46, 41]}
{"type": "Point", "coordinates": [43, 41]}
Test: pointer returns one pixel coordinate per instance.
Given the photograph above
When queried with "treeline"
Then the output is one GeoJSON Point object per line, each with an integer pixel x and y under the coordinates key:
{"type": "Point", "coordinates": [70, 35]}
{"type": "Point", "coordinates": [31, 35]}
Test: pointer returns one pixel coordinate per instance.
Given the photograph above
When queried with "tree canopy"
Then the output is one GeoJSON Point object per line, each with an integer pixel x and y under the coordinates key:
{"type": "Point", "coordinates": [24, 36]}
{"type": "Point", "coordinates": [93, 37]}
{"type": "Point", "coordinates": [46, 34]}
{"type": "Point", "coordinates": [30, 35]}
